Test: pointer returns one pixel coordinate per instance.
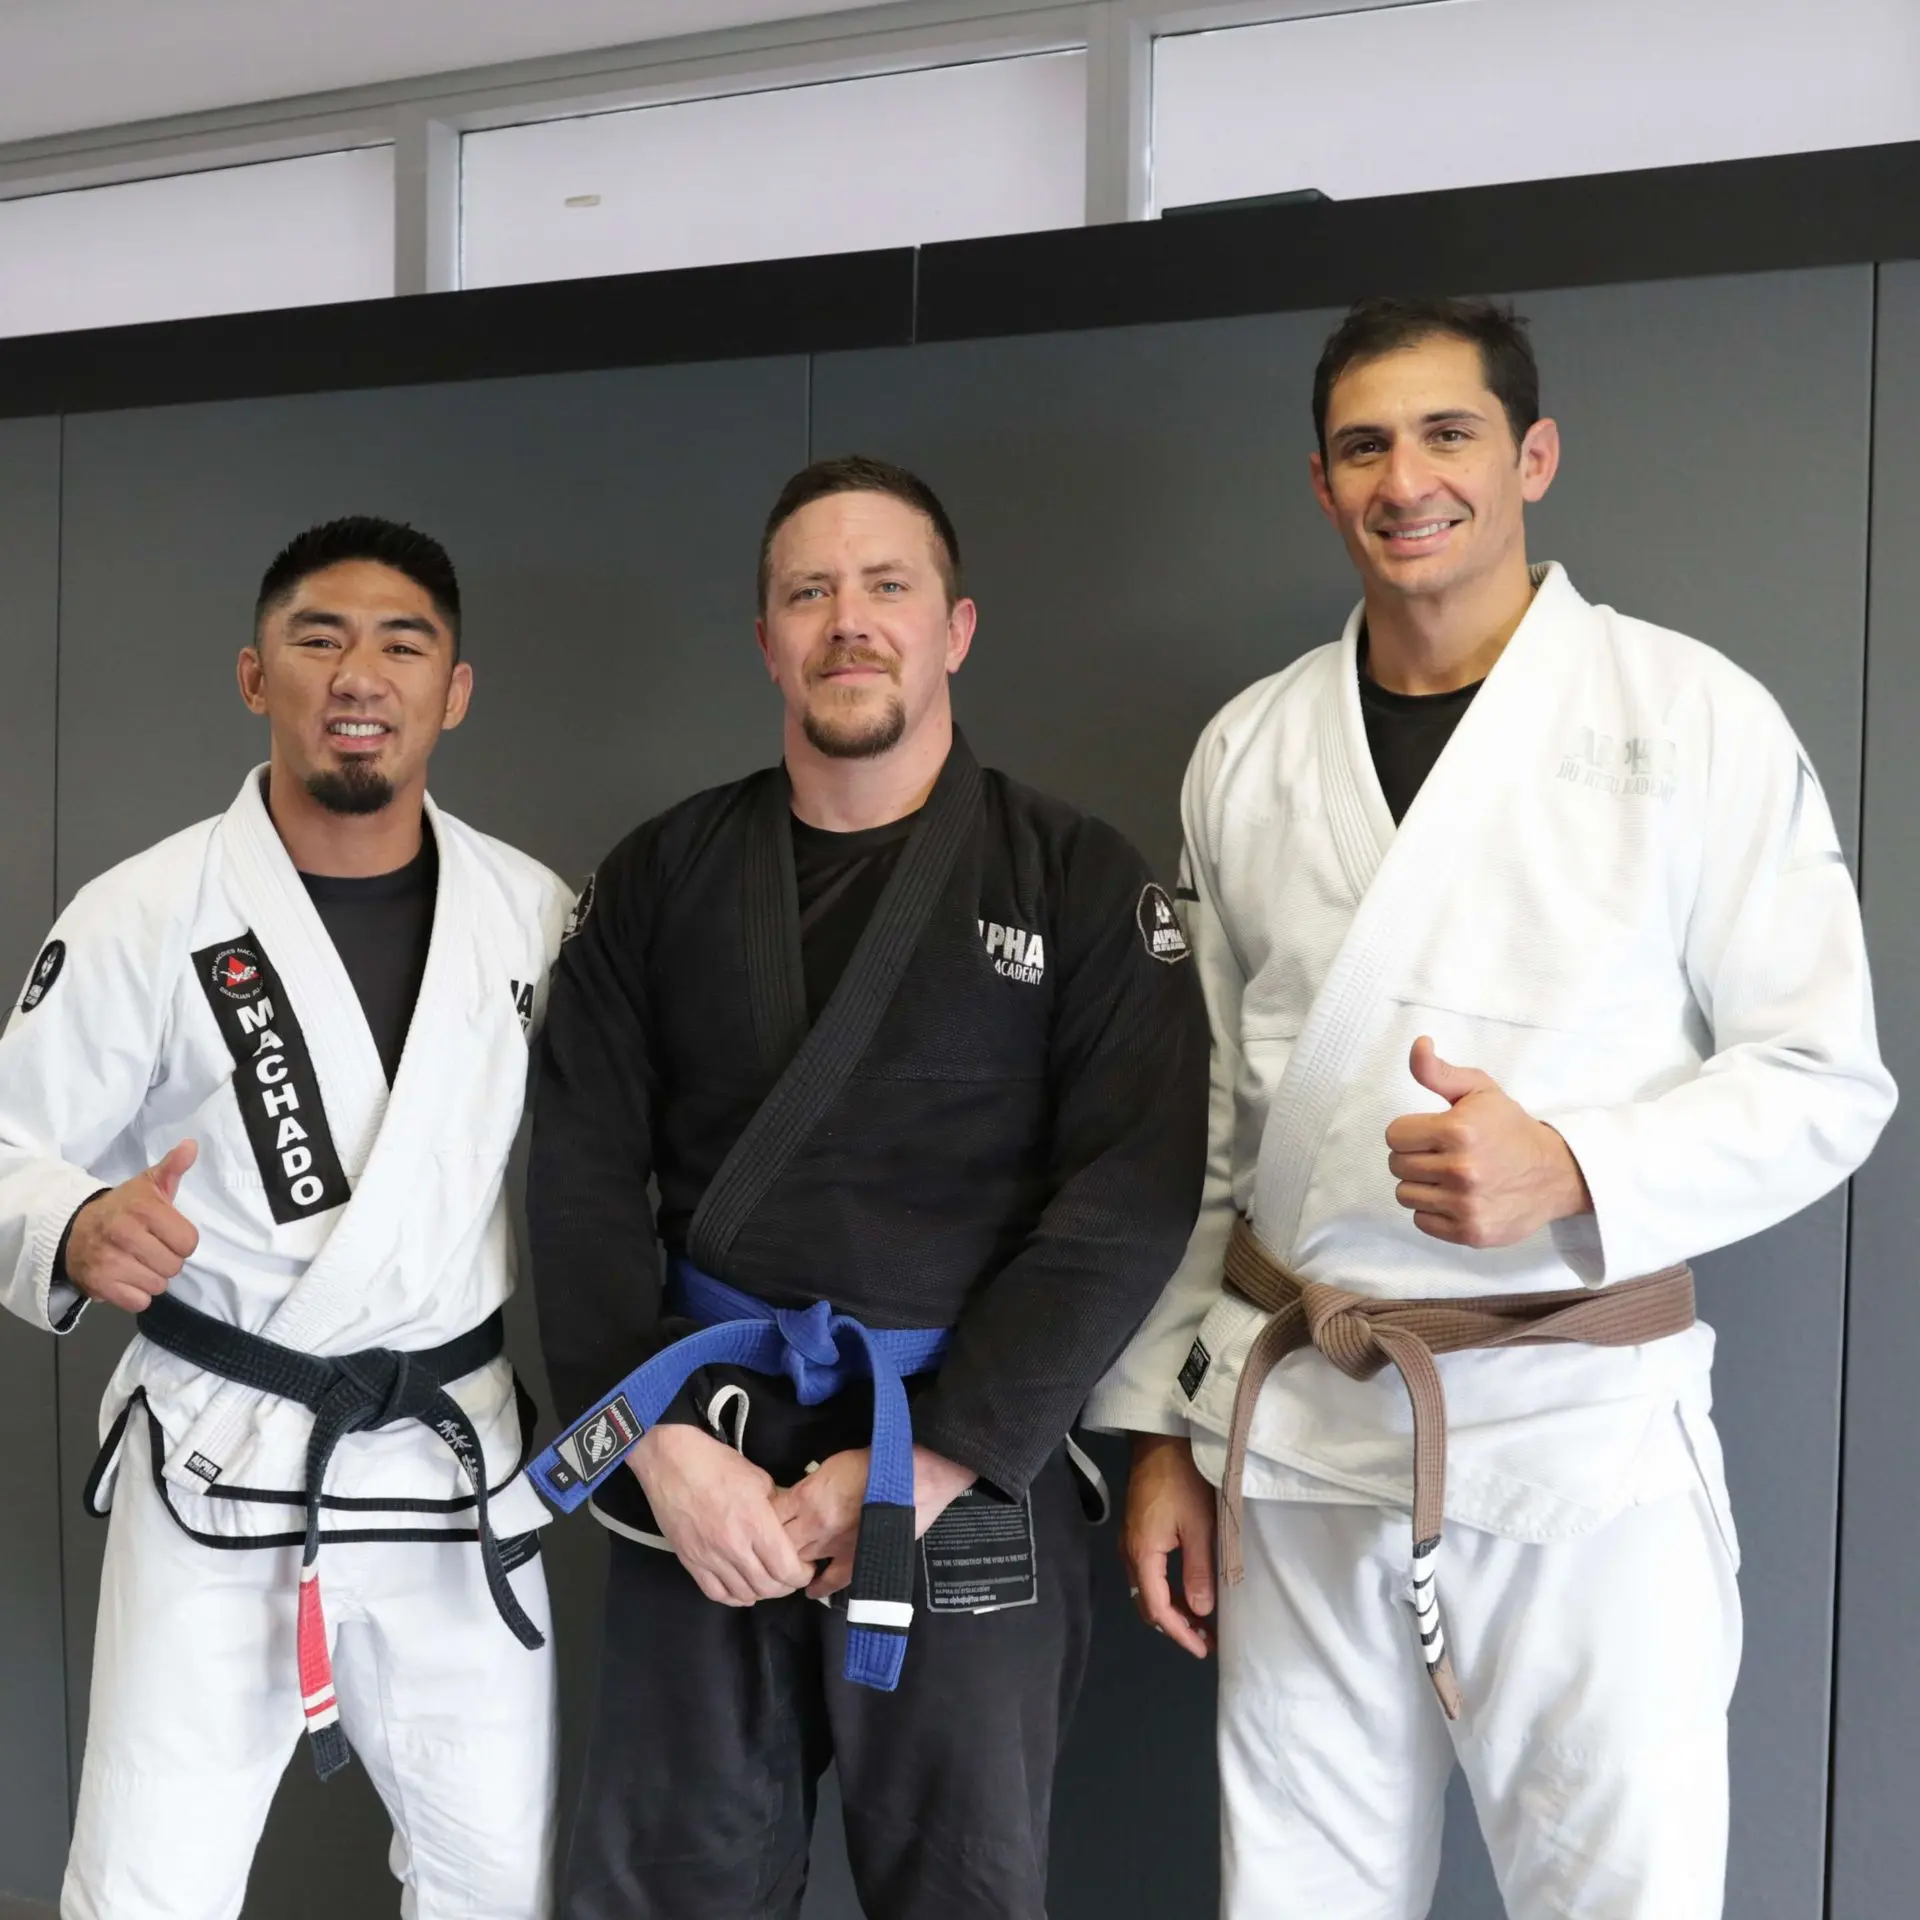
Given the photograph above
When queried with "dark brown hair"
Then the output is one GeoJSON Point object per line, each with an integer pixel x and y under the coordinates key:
{"type": "Point", "coordinates": [1386, 324]}
{"type": "Point", "coordinates": [858, 473]}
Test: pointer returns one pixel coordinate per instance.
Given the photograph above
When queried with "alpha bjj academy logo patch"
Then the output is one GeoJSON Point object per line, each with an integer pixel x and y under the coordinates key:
{"type": "Point", "coordinates": [274, 1081]}
{"type": "Point", "coordinates": [1160, 926]}
{"type": "Point", "coordinates": [46, 970]}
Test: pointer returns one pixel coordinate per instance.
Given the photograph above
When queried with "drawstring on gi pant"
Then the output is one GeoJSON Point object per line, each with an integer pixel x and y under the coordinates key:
{"type": "Point", "coordinates": [1360, 1334]}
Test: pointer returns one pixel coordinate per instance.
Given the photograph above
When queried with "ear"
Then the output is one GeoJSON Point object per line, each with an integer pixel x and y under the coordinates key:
{"type": "Point", "coordinates": [761, 641]}
{"type": "Point", "coordinates": [251, 672]}
{"type": "Point", "coordinates": [962, 618]}
{"type": "Point", "coordinates": [459, 694]}
{"type": "Point", "coordinates": [1539, 459]}
{"type": "Point", "coordinates": [1317, 467]}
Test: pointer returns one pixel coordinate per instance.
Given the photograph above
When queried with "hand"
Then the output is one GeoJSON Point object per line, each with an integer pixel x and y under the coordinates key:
{"type": "Point", "coordinates": [1484, 1173]}
{"type": "Point", "coordinates": [822, 1513]}
{"type": "Point", "coordinates": [716, 1510]}
{"type": "Point", "coordinates": [128, 1242]}
{"type": "Point", "coordinates": [1170, 1508]}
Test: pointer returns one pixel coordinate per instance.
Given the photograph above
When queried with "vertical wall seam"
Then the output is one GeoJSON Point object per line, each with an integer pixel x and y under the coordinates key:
{"type": "Point", "coordinates": [1847, 1235]}
{"type": "Point", "coordinates": [53, 909]}
{"type": "Point", "coordinates": [811, 358]}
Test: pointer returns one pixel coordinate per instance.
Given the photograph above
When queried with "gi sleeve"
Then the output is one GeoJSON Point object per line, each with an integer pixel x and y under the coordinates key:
{"type": "Point", "coordinates": [80, 1051]}
{"type": "Point", "coordinates": [1137, 1394]}
{"type": "Point", "coordinates": [596, 1255]}
{"type": "Point", "coordinates": [1793, 1094]}
{"type": "Point", "coordinates": [1128, 1073]}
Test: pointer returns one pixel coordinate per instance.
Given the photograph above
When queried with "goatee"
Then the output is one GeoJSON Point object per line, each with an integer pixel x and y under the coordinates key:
{"type": "Point", "coordinates": [351, 789]}
{"type": "Point", "coordinates": [859, 735]}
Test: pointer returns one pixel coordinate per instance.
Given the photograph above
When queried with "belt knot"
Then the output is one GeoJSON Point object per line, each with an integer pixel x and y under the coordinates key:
{"type": "Point", "coordinates": [812, 1357]}
{"type": "Point", "coordinates": [1342, 1329]}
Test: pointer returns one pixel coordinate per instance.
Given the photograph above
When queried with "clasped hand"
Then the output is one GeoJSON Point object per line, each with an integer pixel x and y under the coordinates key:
{"type": "Point", "coordinates": [745, 1539]}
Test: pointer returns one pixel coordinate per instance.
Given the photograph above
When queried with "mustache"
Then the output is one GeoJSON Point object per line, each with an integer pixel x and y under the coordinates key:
{"type": "Point", "coordinates": [837, 658]}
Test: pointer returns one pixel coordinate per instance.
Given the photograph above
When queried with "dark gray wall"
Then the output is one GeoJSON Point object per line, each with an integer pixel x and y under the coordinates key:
{"type": "Point", "coordinates": [33, 1739]}
{"type": "Point", "coordinates": [1142, 541]}
{"type": "Point", "coordinates": [1877, 1727]}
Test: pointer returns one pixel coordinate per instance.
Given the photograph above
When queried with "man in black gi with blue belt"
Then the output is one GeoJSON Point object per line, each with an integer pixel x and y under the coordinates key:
{"type": "Point", "coordinates": [917, 1061]}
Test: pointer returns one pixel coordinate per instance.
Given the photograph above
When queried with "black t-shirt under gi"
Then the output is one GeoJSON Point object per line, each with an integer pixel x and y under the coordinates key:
{"type": "Point", "coordinates": [840, 878]}
{"type": "Point", "coordinates": [381, 925]}
{"type": "Point", "coordinates": [1406, 733]}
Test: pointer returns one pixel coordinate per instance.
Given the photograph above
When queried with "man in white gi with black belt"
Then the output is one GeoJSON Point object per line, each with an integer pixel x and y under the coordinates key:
{"type": "Point", "coordinates": [916, 1058]}
{"type": "Point", "coordinates": [1534, 970]}
{"type": "Point", "coordinates": [260, 1091]}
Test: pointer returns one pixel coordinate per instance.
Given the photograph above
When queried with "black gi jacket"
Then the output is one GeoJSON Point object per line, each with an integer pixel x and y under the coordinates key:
{"type": "Point", "coordinates": [979, 1132]}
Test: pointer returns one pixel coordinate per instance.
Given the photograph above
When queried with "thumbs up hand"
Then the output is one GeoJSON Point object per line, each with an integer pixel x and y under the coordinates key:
{"type": "Point", "coordinates": [127, 1243]}
{"type": "Point", "coordinates": [1483, 1172]}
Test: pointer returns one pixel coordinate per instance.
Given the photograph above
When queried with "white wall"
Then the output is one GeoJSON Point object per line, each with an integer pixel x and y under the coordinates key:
{"type": "Point", "coordinates": [1467, 92]}
{"type": "Point", "coordinates": [292, 233]}
{"type": "Point", "coordinates": [994, 147]}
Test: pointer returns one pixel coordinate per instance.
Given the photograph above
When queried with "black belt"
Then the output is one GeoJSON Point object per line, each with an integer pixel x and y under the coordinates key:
{"type": "Point", "coordinates": [350, 1393]}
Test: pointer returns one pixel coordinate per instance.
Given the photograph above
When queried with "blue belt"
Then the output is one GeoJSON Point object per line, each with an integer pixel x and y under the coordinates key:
{"type": "Point", "coordinates": [820, 1351]}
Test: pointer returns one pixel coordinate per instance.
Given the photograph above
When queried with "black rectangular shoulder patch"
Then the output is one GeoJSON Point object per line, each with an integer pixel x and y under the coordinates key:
{"type": "Point", "coordinates": [274, 1080]}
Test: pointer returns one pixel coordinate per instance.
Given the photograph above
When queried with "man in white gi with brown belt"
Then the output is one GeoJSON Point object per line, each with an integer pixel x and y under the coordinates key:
{"type": "Point", "coordinates": [1534, 970]}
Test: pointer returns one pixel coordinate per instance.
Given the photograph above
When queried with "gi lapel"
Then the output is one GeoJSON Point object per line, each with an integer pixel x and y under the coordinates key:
{"type": "Point", "coordinates": [1396, 879]}
{"type": "Point", "coordinates": [814, 1073]}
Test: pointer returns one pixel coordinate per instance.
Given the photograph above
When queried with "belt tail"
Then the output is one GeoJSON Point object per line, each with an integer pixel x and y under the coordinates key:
{"type": "Point", "coordinates": [326, 1739]}
{"type": "Point", "coordinates": [1433, 1633]}
{"type": "Point", "coordinates": [880, 1598]}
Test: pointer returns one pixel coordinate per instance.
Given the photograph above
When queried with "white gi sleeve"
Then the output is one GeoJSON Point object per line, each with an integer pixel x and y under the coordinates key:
{"type": "Point", "coordinates": [1137, 1393]}
{"type": "Point", "coordinates": [1793, 1094]}
{"type": "Point", "coordinates": [77, 1058]}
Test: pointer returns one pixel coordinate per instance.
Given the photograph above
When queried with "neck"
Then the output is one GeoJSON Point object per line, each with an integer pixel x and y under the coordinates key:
{"type": "Point", "coordinates": [344, 846]}
{"type": "Point", "coordinates": [1433, 643]}
{"type": "Point", "coordinates": [843, 796]}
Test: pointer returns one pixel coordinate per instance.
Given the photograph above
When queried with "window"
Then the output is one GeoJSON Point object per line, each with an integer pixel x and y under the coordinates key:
{"type": "Point", "coordinates": [998, 146]}
{"type": "Point", "coordinates": [1401, 99]}
{"type": "Point", "coordinates": [289, 233]}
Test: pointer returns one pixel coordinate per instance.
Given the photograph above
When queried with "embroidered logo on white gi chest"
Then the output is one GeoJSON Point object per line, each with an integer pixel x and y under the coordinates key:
{"type": "Point", "coordinates": [1637, 768]}
{"type": "Point", "coordinates": [1015, 953]}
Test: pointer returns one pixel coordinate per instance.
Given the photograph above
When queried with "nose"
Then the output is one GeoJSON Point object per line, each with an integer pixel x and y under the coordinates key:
{"type": "Point", "coordinates": [356, 676]}
{"type": "Point", "coordinates": [1409, 475]}
{"type": "Point", "coordinates": [849, 615]}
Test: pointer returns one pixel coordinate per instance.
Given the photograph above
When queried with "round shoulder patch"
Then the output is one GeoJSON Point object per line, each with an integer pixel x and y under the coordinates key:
{"type": "Point", "coordinates": [46, 970]}
{"type": "Point", "coordinates": [1160, 926]}
{"type": "Point", "coordinates": [577, 915]}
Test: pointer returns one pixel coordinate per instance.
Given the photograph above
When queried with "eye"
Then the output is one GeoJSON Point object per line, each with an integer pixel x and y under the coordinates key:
{"type": "Point", "coordinates": [406, 647]}
{"type": "Point", "coordinates": [892, 586]}
{"type": "Point", "coordinates": [317, 640]}
{"type": "Point", "coordinates": [1452, 436]}
{"type": "Point", "coordinates": [807, 593]}
{"type": "Point", "coordinates": [1358, 449]}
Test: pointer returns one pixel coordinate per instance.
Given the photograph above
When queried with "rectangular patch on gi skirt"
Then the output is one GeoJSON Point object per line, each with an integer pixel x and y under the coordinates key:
{"type": "Point", "coordinates": [978, 1557]}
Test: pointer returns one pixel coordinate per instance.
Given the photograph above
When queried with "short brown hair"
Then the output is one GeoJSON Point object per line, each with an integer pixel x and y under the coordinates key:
{"type": "Point", "coordinates": [859, 473]}
{"type": "Point", "coordinates": [1386, 324]}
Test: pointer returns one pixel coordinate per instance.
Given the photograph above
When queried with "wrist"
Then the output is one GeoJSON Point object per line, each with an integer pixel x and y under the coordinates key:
{"type": "Point", "coordinates": [1571, 1195]}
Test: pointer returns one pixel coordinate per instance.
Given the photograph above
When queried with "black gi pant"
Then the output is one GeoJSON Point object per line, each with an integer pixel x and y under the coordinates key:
{"type": "Point", "coordinates": [716, 1723]}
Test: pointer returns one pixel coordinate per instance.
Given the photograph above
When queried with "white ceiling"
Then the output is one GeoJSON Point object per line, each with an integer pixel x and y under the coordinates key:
{"type": "Point", "coordinates": [68, 64]}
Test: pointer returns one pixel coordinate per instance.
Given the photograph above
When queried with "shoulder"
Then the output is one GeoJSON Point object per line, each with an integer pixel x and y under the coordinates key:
{"type": "Point", "coordinates": [528, 892]}
{"type": "Point", "coordinates": [1254, 715]}
{"type": "Point", "coordinates": [1689, 681]}
{"type": "Point", "coordinates": [157, 887]}
{"type": "Point", "coordinates": [661, 846]}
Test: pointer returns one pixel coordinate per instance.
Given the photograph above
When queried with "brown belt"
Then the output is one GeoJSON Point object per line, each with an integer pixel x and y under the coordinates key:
{"type": "Point", "coordinates": [1360, 1335]}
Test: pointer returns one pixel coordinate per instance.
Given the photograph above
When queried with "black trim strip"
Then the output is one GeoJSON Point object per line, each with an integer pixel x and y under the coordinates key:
{"type": "Point", "coordinates": [758, 309]}
{"type": "Point", "coordinates": [1850, 206]}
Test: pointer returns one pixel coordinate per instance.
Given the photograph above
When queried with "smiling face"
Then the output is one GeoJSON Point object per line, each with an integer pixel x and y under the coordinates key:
{"type": "Point", "coordinates": [1421, 474]}
{"type": "Point", "coordinates": [857, 630]}
{"type": "Point", "coordinates": [355, 672]}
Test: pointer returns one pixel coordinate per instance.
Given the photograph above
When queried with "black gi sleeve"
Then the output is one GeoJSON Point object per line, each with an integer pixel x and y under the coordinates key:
{"type": "Point", "coordinates": [596, 1255]}
{"type": "Point", "coordinates": [1128, 1072]}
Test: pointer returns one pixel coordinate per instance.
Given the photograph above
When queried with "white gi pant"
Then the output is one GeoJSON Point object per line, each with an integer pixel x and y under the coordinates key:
{"type": "Point", "coordinates": [1596, 1673]}
{"type": "Point", "coordinates": [195, 1711]}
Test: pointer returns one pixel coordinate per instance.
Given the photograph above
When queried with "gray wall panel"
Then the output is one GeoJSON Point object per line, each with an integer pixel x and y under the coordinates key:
{"type": "Point", "coordinates": [33, 1802]}
{"type": "Point", "coordinates": [605, 528]}
{"type": "Point", "coordinates": [1141, 536]}
{"type": "Point", "coordinates": [1876, 1844]}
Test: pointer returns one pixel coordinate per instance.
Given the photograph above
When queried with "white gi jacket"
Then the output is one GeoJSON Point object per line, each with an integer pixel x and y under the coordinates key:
{"type": "Point", "coordinates": [1620, 894]}
{"type": "Point", "coordinates": [192, 992]}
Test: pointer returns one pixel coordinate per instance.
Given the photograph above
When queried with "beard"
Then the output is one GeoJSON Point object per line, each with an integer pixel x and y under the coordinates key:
{"type": "Point", "coordinates": [859, 733]}
{"type": "Point", "coordinates": [351, 789]}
